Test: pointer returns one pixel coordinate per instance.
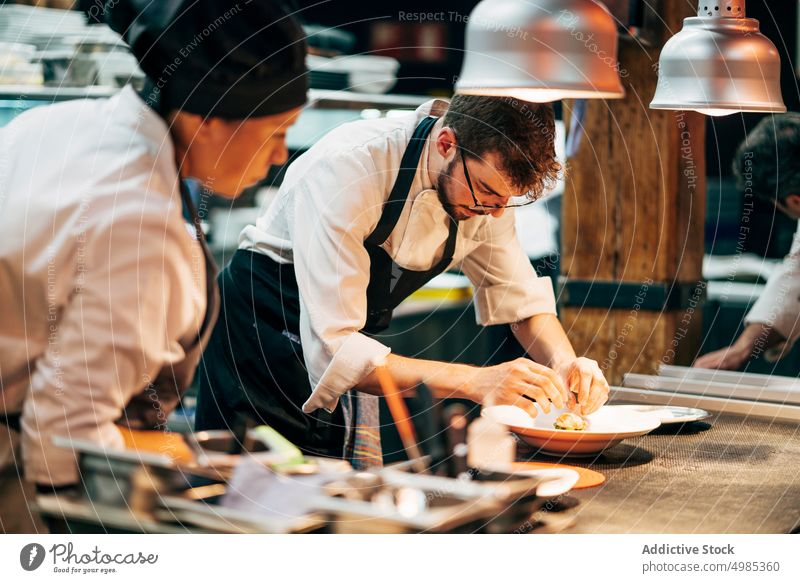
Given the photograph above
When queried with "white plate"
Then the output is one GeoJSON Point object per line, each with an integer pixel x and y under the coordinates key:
{"type": "Point", "coordinates": [607, 427]}
{"type": "Point", "coordinates": [670, 414]}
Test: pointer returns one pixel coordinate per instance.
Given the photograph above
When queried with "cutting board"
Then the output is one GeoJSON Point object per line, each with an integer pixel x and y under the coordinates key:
{"type": "Point", "coordinates": [161, 442]}
{"type": "Point", "coordinates": [587, 478]}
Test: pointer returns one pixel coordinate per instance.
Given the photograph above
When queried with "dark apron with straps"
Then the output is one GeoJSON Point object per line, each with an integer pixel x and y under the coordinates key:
{"type": "Point", "coordinates": [390, 284]}
{"type": "Point", "coordinates": [254, 363]}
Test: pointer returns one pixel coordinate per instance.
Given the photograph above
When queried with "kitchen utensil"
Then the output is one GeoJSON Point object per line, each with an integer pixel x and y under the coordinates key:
{"type": "Point", "coordinates": [212, 451]}
{"type": "Point", "coordinates": [110, 477]}
{"type": "Point", "coordinates": [280, 445]}
{"type": "Point", "coordinates": [396, 499]}
{"type": "Point", "coordinates": [402, 421]}
{"type": "Point", "coordinates": [456, 421]}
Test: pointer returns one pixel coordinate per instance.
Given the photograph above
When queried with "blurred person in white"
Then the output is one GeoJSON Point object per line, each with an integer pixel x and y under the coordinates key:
{"type": "Point", "coordinates": [369, 214]}
{"type": "Point", "coordinates": [106, 284]}
{"type": "Point", "coordinates": [767, 164]}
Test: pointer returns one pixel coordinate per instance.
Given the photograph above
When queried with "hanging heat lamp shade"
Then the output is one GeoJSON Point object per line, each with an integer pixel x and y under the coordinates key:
{"type": "Point", "coordinates": [541, 50]}
{"type": "Point", "coordinates": [719, 64]}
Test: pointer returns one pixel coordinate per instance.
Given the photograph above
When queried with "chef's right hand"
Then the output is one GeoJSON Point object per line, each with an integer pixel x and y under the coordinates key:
{"type": "Point", "coordinates": [520, 382]}
{"type": "Point", "coordinates": [735, 356]}
{"type": "Point", "coordinates": [729, 358]}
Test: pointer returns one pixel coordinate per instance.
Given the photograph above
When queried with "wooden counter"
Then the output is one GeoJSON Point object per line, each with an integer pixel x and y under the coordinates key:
{"type": "Point", "coordinates": [731, 475]}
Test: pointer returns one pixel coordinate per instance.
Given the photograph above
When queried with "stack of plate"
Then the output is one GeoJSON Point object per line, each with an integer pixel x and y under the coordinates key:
{"type": "Point", "coordinates": [24, 24]}
{"type": "Point", "coordinates": [359, 73]}
{"type": "Point", "coordinates": [70, 52]}
{"type": "Point", "coordinates": [15, 65]}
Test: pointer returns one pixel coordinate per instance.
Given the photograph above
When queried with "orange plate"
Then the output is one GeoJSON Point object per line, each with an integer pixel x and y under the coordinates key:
{"type": "Point", "coordinates": [170, 444]}
{"type": "Point", "coordinates": [587, 478]}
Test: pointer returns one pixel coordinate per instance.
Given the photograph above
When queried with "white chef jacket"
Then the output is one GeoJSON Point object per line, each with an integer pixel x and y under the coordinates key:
{"type": "Point", "coordinates": [779, 304]}
{"type": "Point", "coordinates": [330, 201]}
{"type": "Point", "coordinates": [99, 275]}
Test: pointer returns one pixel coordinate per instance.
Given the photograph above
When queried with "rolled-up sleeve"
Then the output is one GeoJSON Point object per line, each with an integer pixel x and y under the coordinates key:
{"type": "Point", "coordinates": [336, 205]}
{"type": "Point", "coordinates": [778, 305]}
{"type": "Point", "coordinates": [507, 288]}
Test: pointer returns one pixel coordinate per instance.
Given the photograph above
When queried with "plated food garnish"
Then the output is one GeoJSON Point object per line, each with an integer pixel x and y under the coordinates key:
{"type": "Point", "coordinates": [570, 422]}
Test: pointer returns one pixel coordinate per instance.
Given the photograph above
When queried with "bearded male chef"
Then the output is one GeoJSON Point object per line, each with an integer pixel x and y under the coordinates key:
{"type": "Point", "coordinates": [108, 293]}
{"type": "Point", "coordinates": [373, 211]}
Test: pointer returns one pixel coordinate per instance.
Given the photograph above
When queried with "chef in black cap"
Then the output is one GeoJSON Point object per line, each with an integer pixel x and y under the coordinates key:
{"type": "Point", "coordinates": [108, 296]}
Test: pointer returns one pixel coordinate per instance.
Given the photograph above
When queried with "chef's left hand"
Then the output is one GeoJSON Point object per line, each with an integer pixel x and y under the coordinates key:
{"type": "Point", "coordinates": [586, 384]}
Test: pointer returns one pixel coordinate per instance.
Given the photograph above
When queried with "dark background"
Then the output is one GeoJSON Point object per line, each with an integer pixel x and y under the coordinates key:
{"type": "Point", "coordinates": [383, 28]}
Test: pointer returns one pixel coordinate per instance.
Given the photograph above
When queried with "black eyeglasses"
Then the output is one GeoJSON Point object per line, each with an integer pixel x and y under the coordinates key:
{"type": "Point", "coordinates": [478, 206]}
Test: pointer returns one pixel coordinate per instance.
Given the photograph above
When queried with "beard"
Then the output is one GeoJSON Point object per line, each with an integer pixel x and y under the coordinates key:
{"type": "Point", "coordinates": [456, 211]}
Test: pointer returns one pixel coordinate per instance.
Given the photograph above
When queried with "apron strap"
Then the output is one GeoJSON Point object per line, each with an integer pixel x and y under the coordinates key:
{"type": "Point", "coordinates": [393, 207]}
{"type": "Point", "coordinates": [389, 283]}
{"type": "Point", "coordinates": [212, 292]}
{"type": "Point", "coordinates": [449, 247]}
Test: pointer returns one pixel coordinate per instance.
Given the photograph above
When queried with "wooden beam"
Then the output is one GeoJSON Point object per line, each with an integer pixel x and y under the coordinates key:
{"type": "Point", "coordinates": [633, 212]}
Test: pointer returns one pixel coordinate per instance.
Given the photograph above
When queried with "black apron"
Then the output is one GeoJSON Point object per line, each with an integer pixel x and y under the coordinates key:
{"type": "Point", "coordinates": [253, 365]}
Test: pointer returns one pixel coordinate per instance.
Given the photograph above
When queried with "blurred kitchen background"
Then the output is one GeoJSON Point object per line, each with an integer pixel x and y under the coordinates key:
{"type": "Point", "coordinates": [370, 59]}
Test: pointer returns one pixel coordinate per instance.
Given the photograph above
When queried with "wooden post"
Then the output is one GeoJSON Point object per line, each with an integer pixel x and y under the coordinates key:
{"type": "Point", "coordinates": [632, 226]}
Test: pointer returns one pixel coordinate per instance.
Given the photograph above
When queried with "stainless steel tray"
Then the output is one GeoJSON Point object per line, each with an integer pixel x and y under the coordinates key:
{"type": "Point", "coordinates": [397, 500]}
{"type": "Point", "coordinates": [772, 393]}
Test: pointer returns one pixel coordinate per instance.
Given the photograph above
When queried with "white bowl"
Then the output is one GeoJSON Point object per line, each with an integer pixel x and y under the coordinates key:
{"type": "Point", "coordinates": [607, 427]}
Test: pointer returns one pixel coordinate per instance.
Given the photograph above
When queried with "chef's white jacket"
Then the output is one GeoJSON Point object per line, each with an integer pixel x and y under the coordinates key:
{"type": "Point", "coordinates": [99, 275]}
{"type": "Point", "coordinates": [779, 304]}
{"type": "Point", "coordinates": [331, 200]}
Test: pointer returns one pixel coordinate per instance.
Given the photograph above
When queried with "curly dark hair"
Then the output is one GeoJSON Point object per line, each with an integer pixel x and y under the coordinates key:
{"type": "Point", "coordinates": [522, 134]}
{"type": "Point", "coordinates": [767, 162]}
